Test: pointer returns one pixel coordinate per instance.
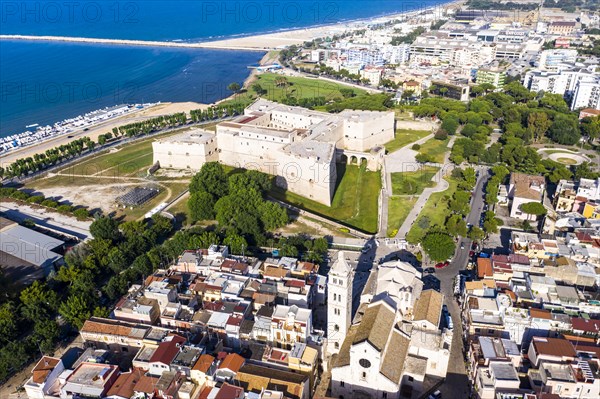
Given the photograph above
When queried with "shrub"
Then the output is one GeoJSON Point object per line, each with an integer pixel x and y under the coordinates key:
{"type": "Point", "coordinates": [81, 213]}
{"type": "Point", "coordinates": [416, 147]}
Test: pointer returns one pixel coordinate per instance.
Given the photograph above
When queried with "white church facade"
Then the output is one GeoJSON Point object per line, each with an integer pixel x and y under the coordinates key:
{"type": "Point", "coordinates": [395, 347]}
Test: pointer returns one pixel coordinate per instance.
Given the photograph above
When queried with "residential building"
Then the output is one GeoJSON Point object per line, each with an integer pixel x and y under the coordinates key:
{"type": "Point", "coordinates": [44, 380]}
{"type": "Point", "coordinates": [290, 324]}
{"type": "Point", "coordinates": [523, 189]}
{"type": "Point", "coordinates": [493, 76]}
{"type": "Point", "coordinates": [90, 380]}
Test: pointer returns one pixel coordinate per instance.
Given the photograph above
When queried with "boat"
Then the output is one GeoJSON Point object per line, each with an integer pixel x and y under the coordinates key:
{"type": "Point", "coordinates": [34, 125]}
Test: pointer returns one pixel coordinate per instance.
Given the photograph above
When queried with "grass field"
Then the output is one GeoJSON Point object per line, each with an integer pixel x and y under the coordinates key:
{"type": "Point", "coordinates": [403, 137]}
{"type": "Point", "coordinates": [567, 161]}
{"type": "Point", "coordinates": [398, 210]}
{"type": "Point", "coordinates": [435, 210]}
{"type": "Point", "coordinates": [124, 160]}
{"type": "Point", "coordinates": [413, 183]}
{"type": "Point", "coordinates": [299, 87]}
{"type": "Point", "coordinates": [435, 148]}
{"type": "Point", "coordinates": [355, 202]}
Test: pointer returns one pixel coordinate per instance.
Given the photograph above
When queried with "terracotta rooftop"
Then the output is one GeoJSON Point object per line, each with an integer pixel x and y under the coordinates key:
{"type": "Point", "coordinates": [232, 362]}
{"type": "Point", "coordinates": [586, 325]}
{"type": "Point", "coordinates": [125, 384]}
{"type": "Point", "coordinates": [43, 368]}
{"type": "Point", "coordinates": [167, 350]}
{"type": "Point", "coordinates": [146, 384]}
{"type": "Point", "coordinates": [553, 347]}
{"type": "Point", "coordinates": [203, 364]}
{"type": "Point", "coordinates": [540, 313]}
{"type": "Point", "coordinates": [484, 267]}
{"type": "Point", "coordinates": [525, 186]}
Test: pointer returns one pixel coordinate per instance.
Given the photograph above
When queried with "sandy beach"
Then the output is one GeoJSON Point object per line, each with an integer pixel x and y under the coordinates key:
{"type": "Point", "coordinates": [95, 131]}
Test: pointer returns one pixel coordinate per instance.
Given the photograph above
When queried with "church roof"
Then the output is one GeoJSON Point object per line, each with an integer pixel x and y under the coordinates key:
{"type": "Point", "coordinates": [428, 307]}
{"type": "Point", "coordinates": [376, 325]}
{"type": "Point", "coordinates": [392, 364]}
{"type": "Point", "coordinates": [341, 265]}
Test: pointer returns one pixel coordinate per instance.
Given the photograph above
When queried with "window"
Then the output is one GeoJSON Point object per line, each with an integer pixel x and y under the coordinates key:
{"type": "Point", "coordinates": [336, 328]}
{"type": "Point", "coordinates": [334, 297]}
{"type": "Point", "coordinates": [337, 346]}
{"type": "Point", "coordinates": [364, 375]}
{"type": "Point", "coordinates": [341, 382]}
{"type": "Point", "coordinates": [411, 379]}
{"type": "Point", "coordinates": [384, 395]}
{"type": "Point", "coordinates": [364, 363]}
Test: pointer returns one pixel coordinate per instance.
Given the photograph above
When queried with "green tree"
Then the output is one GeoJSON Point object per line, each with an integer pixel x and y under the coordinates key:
{"type": "Point", "coordinates": [590, 127]}
{"type": "Point", "coordinates": [234, 87]}
{"type": "Point", "coordinates": [8, 322]}
{"type": "Point", "coordinates": [38, 301]}
{"type": "Point", "coordinates": [105, 228]}
{"type": "Point", "coordinates": [236, 243]}
{"type": "Point", "coordinates": [476, 234]}
{"type": "Point", "coordinates": [564, 130]}
{"type": "Point", "coordinates": [75, 310]}
{"type": "Point", "coordinates": [273, 215]}
{"type": "Point", "coordinates": [46, 333]}
{"type": "Point", "coordinates": [439, 246]}
{"type": "Point", "coordinates": [258, 89]}
{"type": "Point", "coordinates": [201, 206]}
{"type": "Point", "coordinates": [533, 208]}
{"type": "Point", "coordinates": [211, 179]}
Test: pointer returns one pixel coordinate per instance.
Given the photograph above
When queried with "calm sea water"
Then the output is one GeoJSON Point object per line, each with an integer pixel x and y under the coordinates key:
{"type": "Point", "coordinates": [47, 82]}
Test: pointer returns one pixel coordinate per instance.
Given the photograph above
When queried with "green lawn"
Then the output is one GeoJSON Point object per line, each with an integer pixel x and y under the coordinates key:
{"type": "Point", "coordinates": [398, 210]}
{"type": "Point", "coordinates": [123, 160]}
{"type": "Point", "coordinates": [435, 148]}
{"type": "Point", "coordinates": [435, 210]}
{"type": "Point", "coordinates": [355, 202]}
{"type": "Point", "coordinates": [413, 183]}
{"type": "Point", "coordinates": [299, 87]}
{"type": "Point", "coordinates": [403, 137]}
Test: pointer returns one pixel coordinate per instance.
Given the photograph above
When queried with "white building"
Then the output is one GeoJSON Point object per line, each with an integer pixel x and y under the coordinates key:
{"type": "Point", "coordinates": [552, 59]}
{"type": "Point", "coordinates": [401, 282]}
{"type": "Point", "coordinates": [339, 302]}
{"type": "Point", "coordinates": [188, 150]}
{"type": "Point", "coordinates": [297, 145]}
{"type": "Point", "coordinates": [587, 94]}
{"type": "Point", "coordinates": [371, 361]}
{"type": "Point", "coordinates": [290, 324]}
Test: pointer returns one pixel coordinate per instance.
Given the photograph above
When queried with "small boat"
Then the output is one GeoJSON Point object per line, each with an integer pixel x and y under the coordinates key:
{"type": "Point", "coordinates": [34, 125]}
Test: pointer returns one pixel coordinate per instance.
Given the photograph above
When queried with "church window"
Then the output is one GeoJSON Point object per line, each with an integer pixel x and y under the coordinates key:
{"type": "Point", "coordinates": [336, 327]}
{"type": "Point", "coordinates": [364, 363]}
{"type": "Point", "coordinates": [341, 382]}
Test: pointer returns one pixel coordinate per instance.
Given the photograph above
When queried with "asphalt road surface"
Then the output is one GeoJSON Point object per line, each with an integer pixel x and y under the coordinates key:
{"type": "Point", "coordinates": [457, 382]}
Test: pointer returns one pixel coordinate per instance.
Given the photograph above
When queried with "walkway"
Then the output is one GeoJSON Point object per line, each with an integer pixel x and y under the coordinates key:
{"type": "Point", "coordinates": [442, 185]}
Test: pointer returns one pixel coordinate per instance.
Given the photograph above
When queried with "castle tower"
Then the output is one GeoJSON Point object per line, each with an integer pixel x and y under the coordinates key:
{"type": "Point", "coordinates": [339, 303]}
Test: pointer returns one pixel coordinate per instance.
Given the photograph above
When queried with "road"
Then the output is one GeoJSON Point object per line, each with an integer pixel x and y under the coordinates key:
{"type": "Point", "coordinates": [457, 382]}
{"type": "Point", "coordinates": [46, 219]}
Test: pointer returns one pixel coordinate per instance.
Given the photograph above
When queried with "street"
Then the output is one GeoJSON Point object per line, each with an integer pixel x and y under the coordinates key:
{"type": "Point", "coordinates": [457, 383]}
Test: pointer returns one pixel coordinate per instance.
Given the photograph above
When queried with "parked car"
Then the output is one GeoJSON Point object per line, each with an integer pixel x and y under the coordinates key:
{"type": "Point", "coordinates": [441, 265]}
{"type": "Point", "coordinates": [462, 245]}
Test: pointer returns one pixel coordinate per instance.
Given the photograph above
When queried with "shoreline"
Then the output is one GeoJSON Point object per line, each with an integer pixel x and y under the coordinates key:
{"type": "Point", "coordinates": [258, 43]}
{"type": "Point", "coordinates": [251, 42]}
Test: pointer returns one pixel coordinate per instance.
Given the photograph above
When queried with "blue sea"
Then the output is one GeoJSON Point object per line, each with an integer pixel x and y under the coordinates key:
{"type": "Point", "coordinates": [44, 82]}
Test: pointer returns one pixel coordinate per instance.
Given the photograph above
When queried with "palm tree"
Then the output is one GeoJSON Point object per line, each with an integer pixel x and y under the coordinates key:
{"type": "Point", "coordinates": [281, 81]}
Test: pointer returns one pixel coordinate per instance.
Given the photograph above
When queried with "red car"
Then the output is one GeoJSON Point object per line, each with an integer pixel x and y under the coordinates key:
{"type": "Point", "coordinates": [471, 254]}
{"type": "Point", "coordinates": [441, 265]}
